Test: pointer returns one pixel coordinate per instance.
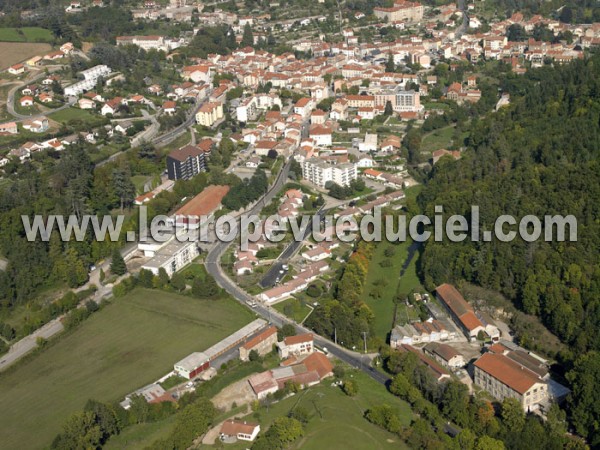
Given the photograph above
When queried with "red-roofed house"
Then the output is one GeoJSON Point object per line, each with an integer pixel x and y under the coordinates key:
{"type": "Point", "coordinates": [301, 344]}
{"type": "Point", "coordinates": [238, 429]}
{"type": "Point", "coordinates": [262, 343]}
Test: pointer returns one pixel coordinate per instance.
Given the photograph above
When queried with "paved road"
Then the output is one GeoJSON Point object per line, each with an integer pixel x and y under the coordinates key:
{"type": "Point", "coordinates": [10, 100]}
{"type": "Point", "coordinates": [277, 271]}
{"type": "Point", "coordinates": [170, 136]}
{"type": "Point", "coordinates": [213, 266]}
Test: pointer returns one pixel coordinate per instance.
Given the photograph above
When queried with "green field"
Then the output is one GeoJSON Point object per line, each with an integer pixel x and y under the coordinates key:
{"type": "Point", "coordinates": [26, 34]}
{"type": "Point", "coordinates": [294, 309]}
{"type": "Point", "coordinates": [437, 139]}
{"type": "Point", "coordinates": [127, 344]}
{"type": "Point", "coordinates": [337, 420]}
{"type": "Point", "coordinates": [69, 114]}
{"type": "Point", "coordinates": [384, 283]}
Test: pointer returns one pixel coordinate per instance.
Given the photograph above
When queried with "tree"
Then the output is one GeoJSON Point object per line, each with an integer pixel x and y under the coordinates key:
{"type": "Point", "coordinates": [79, 432]}
{"type": "Point", "coordinates": [192, 421]}
{"type": "Point", "coordinates": [285, 331]}
{"type": "Point", "coordinates": [161, 280]}
{"type": "Point", "coordinates": [178, 282]}
{"type": "Point", "coordinates": [123, 187]}
{"type": "Point", "coordinates": [300, 414]}
{"type": "Point", "coordinates": [516, 33]}
{"type": "Point", "coordinates": [585, 398]}
{"type": "Point", "coordinates": [489, 443]}
{"type": "Point", "coordinates": [247, 37]}
{"type": "Point", "coordinates": [390, 66]}
{"type": "Point", "coordinates": [389, 110]}
{"type": "Point", "coordinates": [339, 372]}
{"type": "Point", "coordinates": [105, 417]}
{"type": "Point", "coordinates": [145, 278]}
{"type": "Point", "coordinates": [253, 356]}
{"type": "Point", "coordinates": [117, 264]}
{"type": "Point", "coordinates": [512, 414]}
{"type": "Point", "coordinates": [350, 388]}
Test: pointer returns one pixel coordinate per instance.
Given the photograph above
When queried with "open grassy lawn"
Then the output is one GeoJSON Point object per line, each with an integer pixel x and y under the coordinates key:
{"type": "Point", "coordinates": [384, 283]}
{"type": "Point", "coordinates": [127, 344]}
{"type": "Point", "coordinates": [337, 420]}
{"type": "Point", "coordinates": [437, 139]}
{"type": "Point", "coordinates": [26, 34]}
{"type": "Point", "coordinates": [72, 114]}
{"type": "Point", "coordinates": [141, 435]}
{"type": "Point", "coordinates": [294, 309]}
{"type": "Point", "coordinates": [381, 286]}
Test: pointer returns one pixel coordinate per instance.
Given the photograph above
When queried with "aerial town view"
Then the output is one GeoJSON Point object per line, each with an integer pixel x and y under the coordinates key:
{"type": "Point", "coordinates": [294, 224]}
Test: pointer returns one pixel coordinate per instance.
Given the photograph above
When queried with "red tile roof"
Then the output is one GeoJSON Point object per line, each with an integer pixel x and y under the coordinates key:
{"type": "Point", "coordinates": [298, 339]}
{"type": "Point", "coordinates": [507, 371]}
{"type": "Point", "coordinates": [260, 338]}
{"type": "Point", "coordinates": [235, 427]}
{"type": "Point", "coordinates": [204, 203]}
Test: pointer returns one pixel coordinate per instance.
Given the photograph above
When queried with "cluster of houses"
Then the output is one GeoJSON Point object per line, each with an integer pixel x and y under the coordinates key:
{"type": "Point", "coordinates": [503, 368]}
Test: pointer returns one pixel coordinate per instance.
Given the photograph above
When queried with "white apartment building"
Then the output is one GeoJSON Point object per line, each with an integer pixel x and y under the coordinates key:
{"type": "Point", "coordinates": [320, 173]}
{"type": "Point", "coordinates": [90, 78]}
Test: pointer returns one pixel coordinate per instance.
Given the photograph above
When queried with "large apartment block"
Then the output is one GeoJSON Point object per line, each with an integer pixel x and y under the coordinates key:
{"type": "Point", "coordinates": [320, 172]}
{"type": "Point", "coordinates": [187, 162]}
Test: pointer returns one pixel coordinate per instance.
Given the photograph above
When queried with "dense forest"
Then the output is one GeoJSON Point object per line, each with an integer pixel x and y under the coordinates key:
{"type": "Point", "coordinates": [539, 156]}
{"type": "Point", "coordinates": [570, 11]}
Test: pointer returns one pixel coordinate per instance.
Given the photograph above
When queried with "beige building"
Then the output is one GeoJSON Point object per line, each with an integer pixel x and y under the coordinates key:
{"type": "Point", "coordinates": [262, 343]}
{"type": "Point", "coordinates": [402, 11]}
{"type": "Point", "coordinates": [446, 355]}
{"type": "Point", "coordinates": [209, 113]}
{"type": "Point", "coordinates": [504, 377]}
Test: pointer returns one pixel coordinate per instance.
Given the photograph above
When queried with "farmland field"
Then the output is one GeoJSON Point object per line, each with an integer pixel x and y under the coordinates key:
{"type": "Point", "coordinates": [127, 344]}
{"type": "Point", "coordinates": [15, 52]}
{"type": "Point", "coordinates": [26, 34]}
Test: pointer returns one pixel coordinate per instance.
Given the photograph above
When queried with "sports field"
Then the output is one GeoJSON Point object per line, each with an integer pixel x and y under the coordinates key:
{"type": "Point", "coordinates": [127, 344]}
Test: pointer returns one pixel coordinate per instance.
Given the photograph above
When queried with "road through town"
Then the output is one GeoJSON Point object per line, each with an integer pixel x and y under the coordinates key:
{"type": "Point", "coordinates": [213, 266]}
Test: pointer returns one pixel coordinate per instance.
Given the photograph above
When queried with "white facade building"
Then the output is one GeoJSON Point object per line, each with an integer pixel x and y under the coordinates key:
{"type": "Point", "coordinates": [320, 173]}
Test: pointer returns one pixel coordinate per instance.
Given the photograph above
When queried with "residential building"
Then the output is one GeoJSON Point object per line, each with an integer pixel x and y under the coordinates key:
{"type": "Point", "coordinates": [262, 343]}
{"type": "Point", "coordinates": [321, 135]}
{"type": "Point", "coordinates": [186, 162]}
{"type": "Point", "coordinates": [90, 79]}
{"type": "Point", "coordinates": [505, 378]}
{"type": "Point", "coordinates": [209, 114]}
{"type": "Point", "coordinates": [237, 429]}
{"type": "Point", "coordinates": [321, 173]}
{"type": "Point", "coordinates": [301, 344]}
{"type": "Point", "coordinates": [419, 332]}
{"type": "Point", "coordinates": [446, 355]}
{"type": "Point", "coordinates": [17, 69]}
{"type": "Point", "coordinates": [9, 128]}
